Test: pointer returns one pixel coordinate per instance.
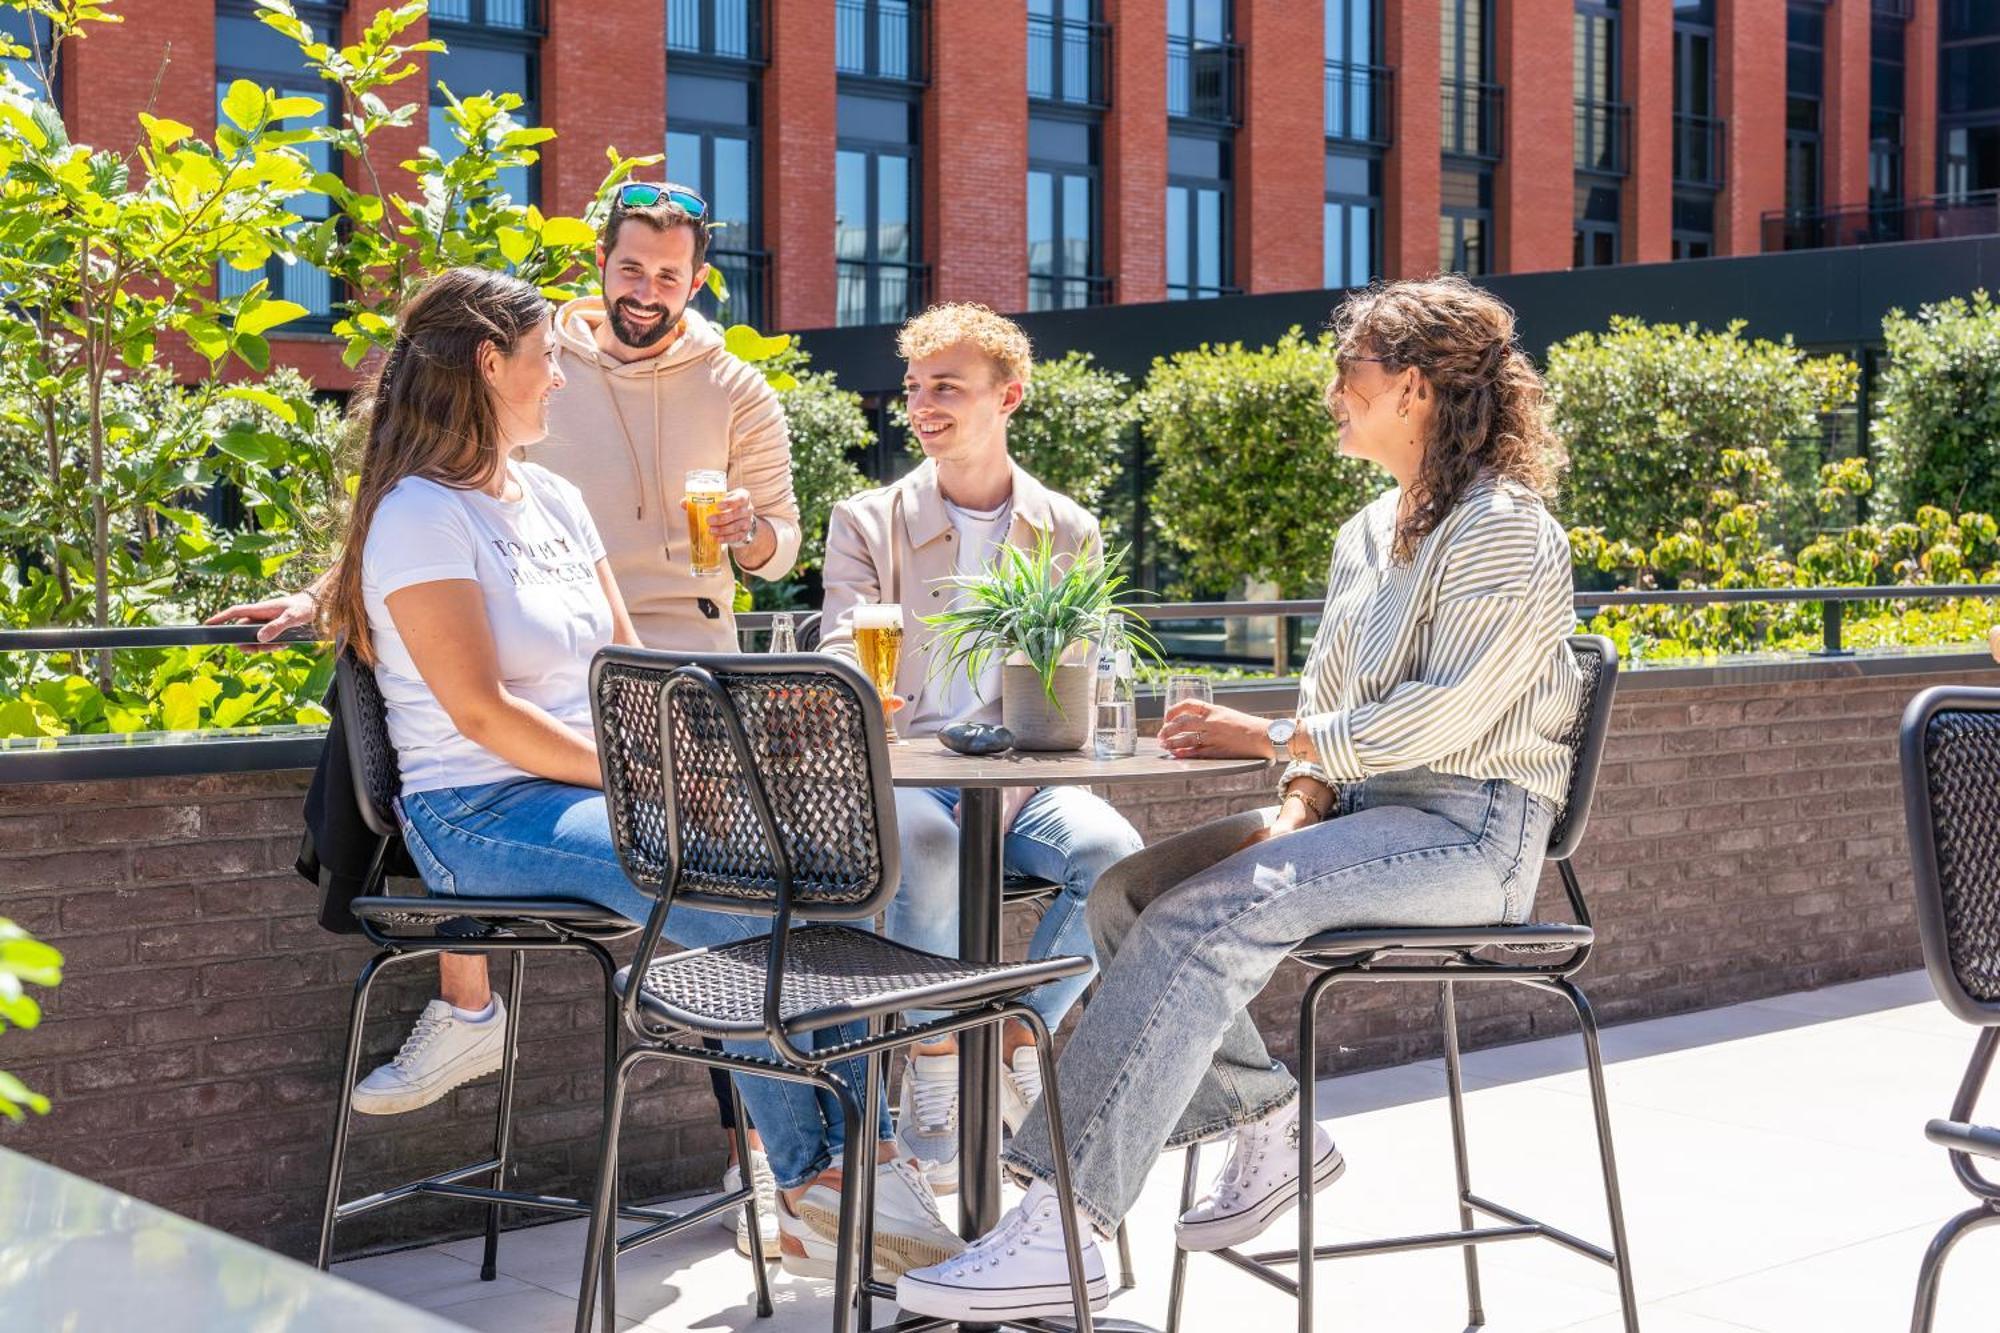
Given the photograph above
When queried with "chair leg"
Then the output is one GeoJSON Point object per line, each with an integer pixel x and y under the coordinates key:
{"type": "Point", "coordinates": [600, 1250]}
{"type": "Point", "coordinates": [1454, 1082]}
{"type": "Point", "coordinates": [1600, 1101]}
{"type": "Point", "coordinates": [1177, 1287]}
{"type": "Point", "coordinates": [344, 1113]}
{"type": "Point", "coordinates": [1972, 1219]}
{"type": "Point", "coordinates": [1308, 1118]}
{"type": "Point", "coordinates": [1073, 1239]}
{"type": "Point", "coordinates": [503, 1128]}
{"type": "Point", "coordinates": [1125, 1279]}
{"type": "Point", "coordinates": [871, 1092]}
{"type": "Point", "coordinates": [857, 1175]}
{"type": "Point", "coordinates": [760, 1274]}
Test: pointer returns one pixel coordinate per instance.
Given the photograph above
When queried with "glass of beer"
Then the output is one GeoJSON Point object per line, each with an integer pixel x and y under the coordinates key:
{"type": "Point", "coordinates": [703, 491]}
{"type": "Point", "coordinates": [878, 642]}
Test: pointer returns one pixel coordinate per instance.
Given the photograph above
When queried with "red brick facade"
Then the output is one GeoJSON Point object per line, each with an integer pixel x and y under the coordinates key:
{"type": "Point", "coordinates": [1648, 201]}
{"type": "Point", "coordinates": [603, 85]}
{"type": "Point", "coordinates": [1534, 198]}
{"type": "Point", "coordinates": [1135, 151]}
{"type": "Point", "coordinates": [1845, 111]}
{"type": "Point", "coordinates": [1410, 185]}
{"type": "Point", "coordinates": [1750, 88]}
{"type": "Point", "coordinates": [799, 137]}
{"type": "Point", "coordinates": [1280, 195]}
{"type": "Point", "coordinates": [975, 174]}
{"type": "Point", "coordinates": [1920, 99]}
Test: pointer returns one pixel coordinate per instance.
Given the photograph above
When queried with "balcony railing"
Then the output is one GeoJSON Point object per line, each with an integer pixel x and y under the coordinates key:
{"type": "Point", "coordinates": [879, 292]}
{"type": "Point", "coordinates": [1049, 291]}
{"type": "Point", "coordinates": [1699, 148]}
{"type": "Point", "coordinates": [746, 274]}
{"type": "Point", "coordinates": [1069, 62]}
{"type": "Point", "coordinates": [1893, 9]}
{"type": "Point", "coordinates": [1185, 291]}
{"type": "Point", "coordinates": [1358, 103]}
{"type": "Point", "coordinates": [1939, 217]}
{"type": "Point", "coordinates": [882, 39]}
{"type": "Point", "coordinates": [718, 29]}
{"type": "Point", "coordinates": [513, 15]}
{"type": "Point", "coordinates": [1471, 120]}
{"type": "Point", "coordinates": [1603, 137]}
{"type": "Point", "coordinates": [1205, 81]}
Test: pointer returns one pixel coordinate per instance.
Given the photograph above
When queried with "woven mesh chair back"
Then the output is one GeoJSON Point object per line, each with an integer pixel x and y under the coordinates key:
{"type": "Point", "coordinates": [688, 814]}
{"type": "Point", "coordinates": [1597, 658]}
{"type": "Point", "coordinates": [1951, 787]}
{"type": "Point", "coordinates": [364, 726]}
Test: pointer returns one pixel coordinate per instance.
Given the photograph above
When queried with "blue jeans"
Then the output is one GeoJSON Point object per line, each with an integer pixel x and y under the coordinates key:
{"type": "Point", "coordinates": [1063, 834]}
{"type": "Point", "coordinates": [532, 838]}
{"type": "Point", "coordinates": [1191, 929]}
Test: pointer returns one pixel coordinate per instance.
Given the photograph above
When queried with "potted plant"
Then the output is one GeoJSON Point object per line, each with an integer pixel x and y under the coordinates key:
{"type": "Point", "coordinates": [1041, 613]}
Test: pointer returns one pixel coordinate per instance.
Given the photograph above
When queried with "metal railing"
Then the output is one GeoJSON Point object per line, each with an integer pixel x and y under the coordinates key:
{"type": "Point", "coordinates": [1069, 62]}
{"type": "Point", "coordinates": [1204, 81]}
{"type": "Point", "coordinates": [1472, 120]}
{"type": "Point", "coordinates": [512, 15]}
{"type": "Point", "coordinates": [882, 39]}
{"type": "Point", "coordinates": [879, 291]}
{"type": "Point", "coordinates": [1892, 9]}
{"type": "Point", "coordinates": [1700, 149]}
{"type": "Point", "coordinates": [1936, 218]}
{"type": "Point", "coordinates": [718, 29]}
{"type": "Point", "coordinates": [747, 276]}
{"type": "Point", "coordinates": [1603, 137]}
{"type": "Point", "coordinates": [1360, 103]}
{"type": "Point", "coordinates": [1055, 291]}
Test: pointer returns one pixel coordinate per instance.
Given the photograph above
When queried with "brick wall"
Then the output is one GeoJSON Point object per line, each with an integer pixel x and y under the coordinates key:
{"type": "Point", "coordinates": [799, 127]}
{"type": "Point", "coordinates": [1534, 202]}
{"type": "Point", "coordinates": [1746, 841]}
{"type": "Point", "coordinates": [1920, 99]}
{"type": "Point", "coordinates": [1750, 88]}
{"type": "Point", "coordinates": [1844, 113]}
{"type": "Point", "coordinates": [975, 146]}
{"type": "Point", "coordinates": [603, 84]}
{"type": "Point", "coordinates": [1648, 203]}
{"type": "Point", "coordinates": [1135, 151]}
{"type": "Point", "coordinates": [1279, 195]}
{"type": "Point", "coordinates": [1410, 183]}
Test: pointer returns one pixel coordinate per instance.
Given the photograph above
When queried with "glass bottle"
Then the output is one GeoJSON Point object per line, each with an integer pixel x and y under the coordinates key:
{"type": "Point", "coordinates": [784, 638]}
{"type": "Point", "coordinates": [1115, 730]}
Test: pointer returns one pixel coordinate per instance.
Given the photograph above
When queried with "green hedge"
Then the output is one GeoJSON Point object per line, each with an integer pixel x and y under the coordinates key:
{"type": "Point", "coordinates": [1936, 434]}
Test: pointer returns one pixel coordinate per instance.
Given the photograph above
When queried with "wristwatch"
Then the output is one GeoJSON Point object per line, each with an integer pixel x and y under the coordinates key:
{"type": "Point", "coordinates": [1280, 732]}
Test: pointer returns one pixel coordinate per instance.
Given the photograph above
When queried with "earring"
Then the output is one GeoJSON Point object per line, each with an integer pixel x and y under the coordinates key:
{"type": "Point", "coordinates": [1402, 414]}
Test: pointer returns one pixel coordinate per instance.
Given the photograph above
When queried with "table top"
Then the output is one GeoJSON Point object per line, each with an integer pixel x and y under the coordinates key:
{"type": "Point", "coordinates": [926, 763]}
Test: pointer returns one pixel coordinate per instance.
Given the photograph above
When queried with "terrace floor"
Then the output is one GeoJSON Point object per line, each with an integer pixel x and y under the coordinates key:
{"type": "Point", "coordinates": [1775, 1170]}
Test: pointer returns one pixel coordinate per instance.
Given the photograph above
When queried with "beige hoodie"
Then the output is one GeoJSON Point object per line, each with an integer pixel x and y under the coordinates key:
{"type": "Point", "coordinates": [694, 405]}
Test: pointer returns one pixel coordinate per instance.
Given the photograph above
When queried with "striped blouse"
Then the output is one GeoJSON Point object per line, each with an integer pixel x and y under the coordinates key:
{"type": "Point", "coordinates": [1455, 661]}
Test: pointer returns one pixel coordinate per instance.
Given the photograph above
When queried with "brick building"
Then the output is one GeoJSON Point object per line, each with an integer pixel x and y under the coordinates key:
{"type": "Point", "coordinates": [868, 155]}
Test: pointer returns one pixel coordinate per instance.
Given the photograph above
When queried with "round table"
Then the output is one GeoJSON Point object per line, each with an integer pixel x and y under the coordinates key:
{"type": "Point", "coordinates": [926, 763]}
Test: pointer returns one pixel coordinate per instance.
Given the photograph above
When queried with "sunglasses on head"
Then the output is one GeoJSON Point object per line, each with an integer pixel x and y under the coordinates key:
{"type": "Point", "coordinates": [640, 194]}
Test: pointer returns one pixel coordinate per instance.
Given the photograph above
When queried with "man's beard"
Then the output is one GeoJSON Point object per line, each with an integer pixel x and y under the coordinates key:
{"type": "Point", "coordinates": [622, 329]}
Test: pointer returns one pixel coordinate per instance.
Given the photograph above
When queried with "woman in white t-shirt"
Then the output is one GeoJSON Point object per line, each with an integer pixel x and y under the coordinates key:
{"type": "Point", "coordinates": [477, 589]}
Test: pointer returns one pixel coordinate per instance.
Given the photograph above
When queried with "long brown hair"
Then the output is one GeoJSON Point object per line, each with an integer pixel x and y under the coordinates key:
{"type": "Point", "coordinates": [429, 412]}
{"type": "Point", "coordinates": [1491, 417]}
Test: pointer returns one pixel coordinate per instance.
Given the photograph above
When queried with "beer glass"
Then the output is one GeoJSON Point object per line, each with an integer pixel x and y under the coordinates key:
{"type": "Point", "coordinates": [703, 490]}
{"type": "Point", "coordinates": [878, 642]}
{"type": "Point", "coordinates": [1182, 688]}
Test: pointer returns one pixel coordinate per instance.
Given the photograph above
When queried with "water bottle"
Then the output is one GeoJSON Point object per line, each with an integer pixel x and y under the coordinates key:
{"type": "Point", "coordinates": [784, 639]}
{"type": "Point", "coordinates": [1116, 730]}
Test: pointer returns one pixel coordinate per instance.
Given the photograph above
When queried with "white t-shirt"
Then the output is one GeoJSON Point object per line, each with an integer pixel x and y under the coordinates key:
{"type": "Point", "coordinates": [979, 537]}
{"type": "Point", "coordinates": [535, 560]}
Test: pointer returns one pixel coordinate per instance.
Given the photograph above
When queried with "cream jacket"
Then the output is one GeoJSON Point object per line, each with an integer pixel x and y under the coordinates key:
{"type": "Point", "coordinates": [896, 544]}
{"type": "Point", "coordinates": [626, 434]}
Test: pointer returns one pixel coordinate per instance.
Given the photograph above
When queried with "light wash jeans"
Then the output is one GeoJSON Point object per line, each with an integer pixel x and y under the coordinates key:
{"type": "Point", "coordinates": [531, 838]}
{"type": "Point", "coordinates": [1191, 929]}
{"type": "Point", "coordinates": [1063, 834]}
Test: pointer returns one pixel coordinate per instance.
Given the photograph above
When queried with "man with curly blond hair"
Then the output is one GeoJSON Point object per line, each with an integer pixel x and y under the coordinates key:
{"type": "Point", "coordinates": [967, 370]}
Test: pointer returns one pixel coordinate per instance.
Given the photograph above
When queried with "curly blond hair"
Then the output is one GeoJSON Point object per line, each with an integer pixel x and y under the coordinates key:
{"type": "Point", "coordinates": [1492, 414]}
{"type": "Point", "coordinates": [999, 339]}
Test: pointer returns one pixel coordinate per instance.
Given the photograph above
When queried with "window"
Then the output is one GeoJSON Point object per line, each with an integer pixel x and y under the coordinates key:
{"type": "Point", "coordinates": [712, 146]}
{"type": "Point", "coordinates": [1199, 204]}
{"type": "Point", "coordinates": [1599, 134]}
{"type": "Point", "coordinates": [1969, 98]}
{"type": "Point", "coordinates": [493, 46]}
{"type": "Point", "coordinates": [879, 39]}
{"type": "Point", "coordinates": [1063, 157]}
{"type": "Point", "coordinates": [1203, 75]}
{"type": "Point", "coordinates": [1465, 222]}
{"type": "Point", "coordinates": [719, 29]}
{"type": "Point", "coordinates": [875, 211]}
{"type": "Point", "coordinates": [1694, 224]}
{"type": "Point", "coordinates": [1067, 51]}
{"type": "Point", "coordinates": [1596, 242]}
{"type": "Point", "coordinates": [1805, 80]}
{"type": "Point", "coordinates": [246, 49]}
{"type": "Point", "coordinates": [1887, 87]}
{"type": "Point", "coordinates": [1357, 106]}
{"type": "Point", "coordinates": [1352, 240]}
{"type": "Point", "coordinates": [31, 31]}
{"type": "Point", "coordinates": [1470, 124]}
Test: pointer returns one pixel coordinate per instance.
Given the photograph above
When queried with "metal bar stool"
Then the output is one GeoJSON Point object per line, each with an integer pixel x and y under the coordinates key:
{"type": "Point", "coordinates": [1543, 956]}
{"type": "Point", "coordinates": [406, 928]}
{"type": "Point", "coordinates": [760, 785]}
{"type": "Point", "coordinates": [1951, 800]}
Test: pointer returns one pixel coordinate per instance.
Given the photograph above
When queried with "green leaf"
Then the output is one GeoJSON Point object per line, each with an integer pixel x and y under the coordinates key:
{"type": "Point", "coordinates": [515, 245]}
{"type": "Point", "coordinates": [264, 398]}
{"type": "Point", "coordinates": [164, 133]}
{"type": "Point", "coordinates": [559, 233]}
{"type": "Point", "coordinates": [287, 108]}
{"type": "Point", "coordinates": [264, 315]}
{"type": "Point", "coordinates": [245, 104]}
{"type": "Point", "coordinates": [745, 342]}
{"type": "Point", "coordinates": [255, 352]}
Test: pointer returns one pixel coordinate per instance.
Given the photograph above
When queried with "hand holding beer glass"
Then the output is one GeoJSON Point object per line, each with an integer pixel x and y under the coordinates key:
{"type": "Point", "coordinates": [701, 494]}
{"type": "Point", "coordinates": [878, 642]}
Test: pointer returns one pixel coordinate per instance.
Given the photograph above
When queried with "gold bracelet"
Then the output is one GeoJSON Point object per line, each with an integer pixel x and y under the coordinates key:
{"type": "Point", "coordinates": [1306, 801]}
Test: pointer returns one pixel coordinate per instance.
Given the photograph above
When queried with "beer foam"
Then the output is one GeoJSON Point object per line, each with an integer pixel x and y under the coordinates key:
{"type": "Point", "coordinates": [705, 483]}
{"type": "Point", "coordinates": [873, 615]}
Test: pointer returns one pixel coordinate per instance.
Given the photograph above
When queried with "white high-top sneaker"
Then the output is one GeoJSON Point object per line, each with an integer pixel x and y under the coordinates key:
{"type": "Point", "coordinates": [1258, 1183]}
{"type": "Point", "coordinates": [1019, 1270]}
{"type": "Point", "coordinates": [927, 1118]}
{"type": "Point", "coordinates": [766, 1186]}
{"type": "Point", "coordinates": [1020, 1087]}
{"type": "Point", "coordinates": [441, 1052]}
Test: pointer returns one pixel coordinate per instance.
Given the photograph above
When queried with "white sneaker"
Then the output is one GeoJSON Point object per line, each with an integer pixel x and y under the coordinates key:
{"type": "Point", "coordinates": [766, 1186]}
{"type": "Point", "coordinates": [1019, 1270]}
{"type": "Point", "coordinates": [803, 1249]}
{"type": "Point", "coordinates": [927, 1118]}
{"type": "Point", "coordinates": [441, 1052]}
{"type": "Point", "coordinates": [1020, 1087]}
{"type": "Point", "coordinates": [910, 1232]}
{"type": "Point", "coordinates": [1258, 1183]}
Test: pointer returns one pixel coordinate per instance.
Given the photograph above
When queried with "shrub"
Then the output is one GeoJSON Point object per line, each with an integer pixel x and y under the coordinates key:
{"type": "Point", "coordinates": [1247, 482]}
{"type": "Point", "coordinates": [24, 961]}
{"type": "Point", "coordinates": [829, 431]}
{"type": "Point", "coordinates": [1937, 424]}
{"type": "Point", "coordinates": [1647, 410]}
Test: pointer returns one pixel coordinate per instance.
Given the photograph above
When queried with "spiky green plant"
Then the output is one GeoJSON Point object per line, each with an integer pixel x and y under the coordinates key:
{"type": "Point", "coordinates": [1038, 604]}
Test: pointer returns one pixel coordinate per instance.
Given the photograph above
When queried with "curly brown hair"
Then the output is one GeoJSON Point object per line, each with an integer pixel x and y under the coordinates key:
{"type": "Point", "coordinates": [1491, 417]}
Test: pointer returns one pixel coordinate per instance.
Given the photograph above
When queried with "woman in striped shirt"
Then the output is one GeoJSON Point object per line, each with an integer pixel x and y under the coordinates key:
{"type": "Point", "coordinates": [1425, 765]}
